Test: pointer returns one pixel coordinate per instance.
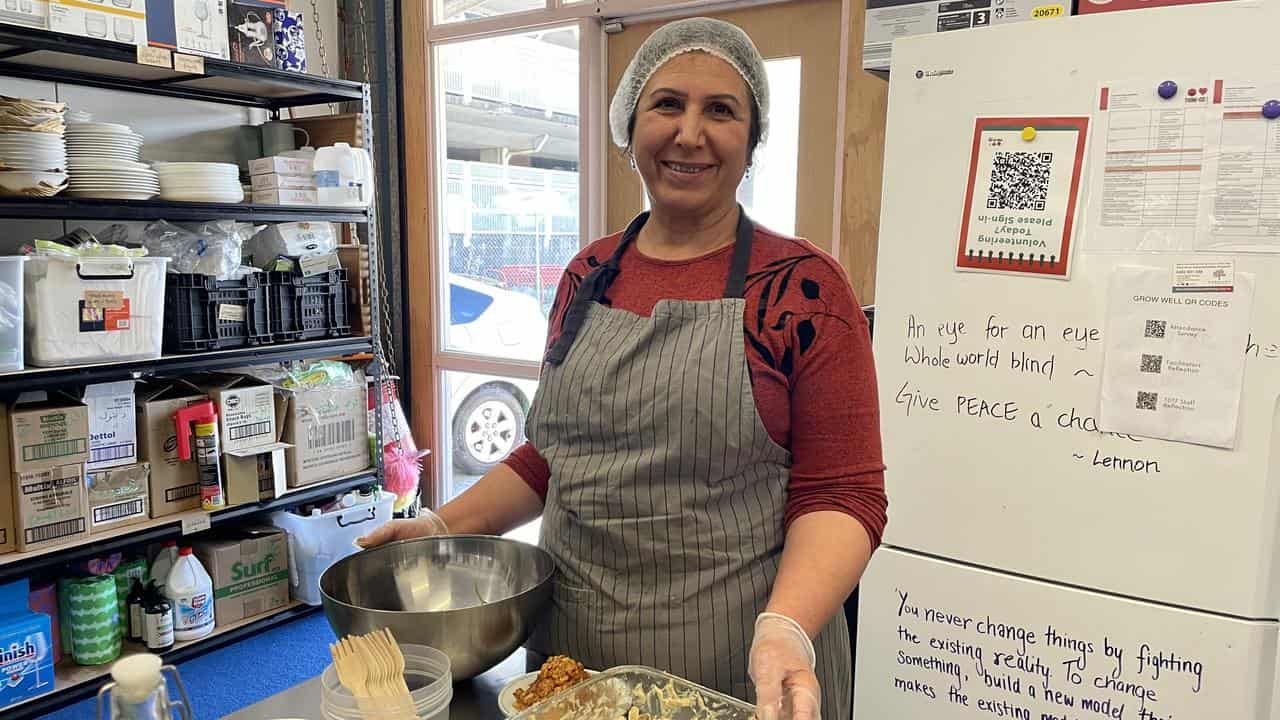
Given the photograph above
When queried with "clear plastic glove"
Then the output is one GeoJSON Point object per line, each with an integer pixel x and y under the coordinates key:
{"type": "Point", "coordinates": [425, 525]}
{"type": "Point", "coordinates": [781, 665]}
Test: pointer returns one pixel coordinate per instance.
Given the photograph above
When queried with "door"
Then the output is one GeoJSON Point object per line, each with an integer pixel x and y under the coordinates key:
{"type": "Point", "coordinates": [792, 184]}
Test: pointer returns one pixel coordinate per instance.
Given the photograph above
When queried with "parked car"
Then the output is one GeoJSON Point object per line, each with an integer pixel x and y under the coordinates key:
{"type": "Point", "coordinates": [488, 412]}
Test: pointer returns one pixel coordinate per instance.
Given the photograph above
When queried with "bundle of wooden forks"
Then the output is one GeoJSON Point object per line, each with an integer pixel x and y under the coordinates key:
{"type": "Point", "coordinates": [371, 667]}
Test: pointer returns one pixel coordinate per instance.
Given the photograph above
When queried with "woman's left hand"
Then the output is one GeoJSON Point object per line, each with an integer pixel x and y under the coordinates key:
{"type": "Point", "coordinates": [782, 665]}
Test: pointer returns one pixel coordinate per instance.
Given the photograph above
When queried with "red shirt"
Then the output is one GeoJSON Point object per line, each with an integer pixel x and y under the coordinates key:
{"type": "Point", "coordinates": [808, 350]}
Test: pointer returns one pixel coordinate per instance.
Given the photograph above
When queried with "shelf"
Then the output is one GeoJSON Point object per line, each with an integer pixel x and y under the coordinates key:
{"type": "Point", "coordinates": [177, 365]}
{"type": "Point", "coordinates": [54, 57]}
{"type": "Point", "coordinates": [69, 208]}
{"type": "Point", "coordinates": [15, 565]}
{"type": "Point", "coordinates": [74, 683]}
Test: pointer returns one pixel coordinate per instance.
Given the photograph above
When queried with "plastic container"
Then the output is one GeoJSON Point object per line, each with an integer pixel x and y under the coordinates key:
{"type": "Point", "coordinates": [93, 309]}
{"type": "Point", "coordinates": [318, 541]}
{"type": "Point", "coordinates": [204, 313]}
{"type": "Point", "coordinates": [308, 308]}
{"type": "Point", "coordinates": [163, 563]}
{"type": "Point", "coordinates": [11, 332]}
{"type": "Point", "coordinates": [428, 674]}
{"type": "Point", "coordinates": [609, 695]}
{"type": "Point", "coordinates": [190, 591]}
{"type": "Point", "coordinates": [344, 176]}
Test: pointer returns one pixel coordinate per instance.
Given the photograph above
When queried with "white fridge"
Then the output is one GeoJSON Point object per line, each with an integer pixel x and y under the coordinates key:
{"type": "Point", "coordinates": [1035, 566]}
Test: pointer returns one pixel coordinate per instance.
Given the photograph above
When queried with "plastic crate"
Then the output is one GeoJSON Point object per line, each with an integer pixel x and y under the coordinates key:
{"type": "Point", "coordinates": [309, 308]}
{"type": "Point", "coordinates": [204, 313]}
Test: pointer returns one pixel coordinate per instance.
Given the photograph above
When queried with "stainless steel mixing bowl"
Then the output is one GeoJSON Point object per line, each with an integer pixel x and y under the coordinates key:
{"type": "Point", "coordinates": [476, 598]}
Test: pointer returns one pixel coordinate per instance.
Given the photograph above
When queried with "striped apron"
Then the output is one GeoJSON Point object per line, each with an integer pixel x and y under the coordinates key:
{"type": "Point", "coordinates": [666, 502]}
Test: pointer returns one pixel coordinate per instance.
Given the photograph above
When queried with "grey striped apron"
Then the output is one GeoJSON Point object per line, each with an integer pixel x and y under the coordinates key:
{"type": "Point", "coordinates": [665, 507]}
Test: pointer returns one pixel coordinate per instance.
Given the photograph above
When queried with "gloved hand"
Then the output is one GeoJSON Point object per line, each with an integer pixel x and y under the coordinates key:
{"type": "Point", "coordinates": [781, 665]}
{"type": "Point", "coordinates": [425, 525]}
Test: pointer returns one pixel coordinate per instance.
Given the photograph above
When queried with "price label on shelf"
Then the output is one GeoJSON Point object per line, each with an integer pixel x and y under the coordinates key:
{"type": "Point", "coordinates": [157, 57]}
{"type": "Point", "coordinates": [192, 524]}
{"type": "Point", "coordinates": [191, 64]}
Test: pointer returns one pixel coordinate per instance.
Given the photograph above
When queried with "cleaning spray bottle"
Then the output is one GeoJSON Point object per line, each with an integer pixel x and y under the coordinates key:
{"type": "Point", "coordinates": [204, 416]}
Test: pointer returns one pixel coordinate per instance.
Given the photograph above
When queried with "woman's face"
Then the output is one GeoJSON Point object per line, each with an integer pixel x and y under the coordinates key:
{"type": "Point", "coordinates": [691, 131]}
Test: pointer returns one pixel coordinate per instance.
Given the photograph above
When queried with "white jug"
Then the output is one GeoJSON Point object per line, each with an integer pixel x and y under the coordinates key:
{"type": "Point", "coordinates": [344, 176]}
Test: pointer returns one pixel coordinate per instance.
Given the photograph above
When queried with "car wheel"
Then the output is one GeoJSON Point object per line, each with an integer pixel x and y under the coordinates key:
{"type": "Point", "coordinates": [486, 428]}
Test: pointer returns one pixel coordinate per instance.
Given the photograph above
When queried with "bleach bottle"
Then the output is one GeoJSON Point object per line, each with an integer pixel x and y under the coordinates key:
{"type": "Point", "coordinates": [190, 591]}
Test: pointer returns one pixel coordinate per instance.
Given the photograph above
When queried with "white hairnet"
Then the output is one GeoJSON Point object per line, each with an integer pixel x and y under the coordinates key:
{"type": "Point", "coordinates": [716, 37]}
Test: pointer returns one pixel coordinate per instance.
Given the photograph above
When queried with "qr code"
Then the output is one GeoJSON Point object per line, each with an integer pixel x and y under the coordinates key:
{"type": "Point", "coordinates": [1152, 363]}
{"type": "Point", "coordinates": [1019, 181]}
{"type": "Point", "coordinates": [1155, 329]}
{"type": "Point", "coordinates": [1147, 400]}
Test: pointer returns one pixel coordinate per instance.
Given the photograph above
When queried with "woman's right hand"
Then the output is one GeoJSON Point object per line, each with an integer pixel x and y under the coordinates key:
{"type": "Point", "coordinates": [425, 525]}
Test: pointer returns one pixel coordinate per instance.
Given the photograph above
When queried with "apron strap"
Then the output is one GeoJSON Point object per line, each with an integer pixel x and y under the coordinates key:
{"type": "Point", "coordinates": [597, 282]}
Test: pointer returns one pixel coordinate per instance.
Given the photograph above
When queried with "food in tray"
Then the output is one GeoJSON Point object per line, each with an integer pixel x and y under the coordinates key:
{"type": "Point", "coordinates": [558, 673]}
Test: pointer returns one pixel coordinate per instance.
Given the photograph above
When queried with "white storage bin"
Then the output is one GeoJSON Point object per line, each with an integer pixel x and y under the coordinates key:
{"type": "Point", "coordinates": [94, 309]}
{"type": "Point", "coordinates": [11, 313]}
{"type": "Point", "coordinates": [319, 541]}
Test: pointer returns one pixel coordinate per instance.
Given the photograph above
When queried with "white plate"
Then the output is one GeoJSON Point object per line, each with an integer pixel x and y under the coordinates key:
{"type": "Point", "coordinates": [507, 698]}
{"type": "Point", "coordinates": [110, 164]}
{"type": "Point", "coordinates": [82, 171]}
{"type": "Point", "coordinates": [198, 168]}
{"type": "Point", "coordinates": [111, 194]}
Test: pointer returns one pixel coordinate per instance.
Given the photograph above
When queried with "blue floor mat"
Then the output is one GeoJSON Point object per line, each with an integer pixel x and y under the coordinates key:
{"type": "Point", "coordinates": [241, 674]}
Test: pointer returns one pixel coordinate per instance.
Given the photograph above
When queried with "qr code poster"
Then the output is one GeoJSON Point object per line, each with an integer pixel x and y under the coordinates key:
{"type": "Point", "coordinates": [1020, 204]}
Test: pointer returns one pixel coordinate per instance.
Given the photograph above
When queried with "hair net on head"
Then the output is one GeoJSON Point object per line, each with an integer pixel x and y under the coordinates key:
{"type": "Point", "coordinates": [715, 37]}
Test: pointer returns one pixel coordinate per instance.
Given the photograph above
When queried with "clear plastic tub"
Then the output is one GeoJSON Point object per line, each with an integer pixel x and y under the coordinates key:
{"type": "Point", "coordinates": [11, 313]}
{"type": "Point", "coordinates": [428, 674]}
{"type": "Point", "coordinates": [611, 694]}
{"type": "Point", "coordinates": [316, 542]}
{"type": "Point", "coordinates": [93, 309]}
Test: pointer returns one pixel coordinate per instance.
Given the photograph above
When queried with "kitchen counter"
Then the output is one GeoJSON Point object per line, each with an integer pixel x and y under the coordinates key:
{"type": "Point", "coordinates": [475, 699]}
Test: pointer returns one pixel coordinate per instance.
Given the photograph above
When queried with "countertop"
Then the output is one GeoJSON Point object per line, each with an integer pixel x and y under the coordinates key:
{"type": "Point", "coordinates": [475, 699]}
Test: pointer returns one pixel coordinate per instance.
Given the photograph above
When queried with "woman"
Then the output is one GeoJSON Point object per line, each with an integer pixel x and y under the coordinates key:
{"type": "Point", "coordinates": [704, 446]}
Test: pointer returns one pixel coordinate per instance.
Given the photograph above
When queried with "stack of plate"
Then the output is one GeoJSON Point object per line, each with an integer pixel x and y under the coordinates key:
{"type": "Point", "coordinates": [200, 182]}
{"type": "Point", "coordinates": [33, 155]}
{"type": "Point", "coordinates": [103, 158]}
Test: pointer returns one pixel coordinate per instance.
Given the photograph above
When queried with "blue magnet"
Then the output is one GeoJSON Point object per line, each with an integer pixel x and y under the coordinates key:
{"type": "Point", "coordinates": [1271, 109]}
{"type": "Point", "coordinates": [1168, 89]}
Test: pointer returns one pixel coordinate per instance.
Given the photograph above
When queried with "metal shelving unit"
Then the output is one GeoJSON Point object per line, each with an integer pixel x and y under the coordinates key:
{"type": "Point", "coordinates": [52, 57]}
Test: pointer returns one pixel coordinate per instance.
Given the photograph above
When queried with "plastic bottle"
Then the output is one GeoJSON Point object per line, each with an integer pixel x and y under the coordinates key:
{"type": "Point", "coordinates": [200, 420]}
{"type": "Point", "coordinates": [190, 590]}
{"type": "Point", "coordinates": [344, 176]}
{"type": "Point", "coordinates": [164, 561]}
{"type": "Point", "coordinates": [136, 602]}
{"type": "Point", "coordinates": [157, 621]}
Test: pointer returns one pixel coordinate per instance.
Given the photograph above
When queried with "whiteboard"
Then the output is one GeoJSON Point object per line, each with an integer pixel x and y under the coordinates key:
{"type": "Point", "coordinates": [943, 641]}
{"type": "Point", "coordinates": [1155, 520]}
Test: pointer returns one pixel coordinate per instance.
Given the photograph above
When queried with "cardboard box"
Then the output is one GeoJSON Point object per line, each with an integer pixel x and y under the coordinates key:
{"type": "Point", "coordinates": [329, 430]}
{"type": "Point", "coordinates": [32, 14]}
{"type": "Point", "coordinates": [122, 21]}
{"type": "Point", "coordinates": [250, 571]}
{"type": "Point", "coordinates": [47, 430]}
{"type": "Point", "coordinates": [177, 25]}
{"type": "Point", "coordinates": [276, 181]}
{"type": "Point", "coordinates": [252, 31]}
{"type": "Point", "coordinates": [279, 165]}
{"type": "Point", "coordinates": [26, 664]}
{"type": "Point", "coordinates": [175, 484]}
{"type": "Point", "coordinates": [8, 509]}
{"type": "Point", "coordinates": [52, 506]}
{"type": "Point", "coordinates": [113, 424]}
{"type": "Point", "coordinates": [118, 497]}
{"type": "Point", "coordinates": [246, 411]}
{"type": "Point", "coordinates": [254, 474]}
{"type": "Point", "coordinates": [1088, 7]}
{"type": "Point", "coordinates": [285, 197]}
{"type": "Point", "coordinates": [887, 20]}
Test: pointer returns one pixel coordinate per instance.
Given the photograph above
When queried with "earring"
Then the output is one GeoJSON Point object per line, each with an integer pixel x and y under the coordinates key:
{"type": "Point", "coordinates": [633, 162]}
{"type": "Point", "coordinates": [748, 173]}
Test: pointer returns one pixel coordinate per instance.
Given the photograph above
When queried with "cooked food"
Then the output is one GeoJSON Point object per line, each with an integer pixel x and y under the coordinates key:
{"type": "Point", "coordinates": [558, 674]}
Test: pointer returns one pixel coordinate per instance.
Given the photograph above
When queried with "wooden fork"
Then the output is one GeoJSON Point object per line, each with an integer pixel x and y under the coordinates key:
{"type": "Point", "coordinates": [352, 674]}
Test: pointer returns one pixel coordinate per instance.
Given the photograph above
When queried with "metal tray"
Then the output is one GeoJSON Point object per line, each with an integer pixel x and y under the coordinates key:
{"type": "Point", "coordinates": [609, 695]}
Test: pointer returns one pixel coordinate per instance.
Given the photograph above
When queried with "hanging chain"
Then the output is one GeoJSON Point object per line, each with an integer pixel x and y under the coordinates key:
{"type": "Point", "coordinates": [324, 55]}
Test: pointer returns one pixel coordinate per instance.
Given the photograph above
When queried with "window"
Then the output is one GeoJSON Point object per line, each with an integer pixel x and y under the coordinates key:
{"type": "Point", "coordinates": [452, 11]}
{"type": "Point", "coordinates": [775, 165]}
{"type": "Point", "coordinates": [485, 418]}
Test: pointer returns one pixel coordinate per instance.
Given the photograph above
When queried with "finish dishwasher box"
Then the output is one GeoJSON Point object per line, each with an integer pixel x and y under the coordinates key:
{"type": "Point", "coordinates": [318, 541]}
{"type": "Point", "coordinates": [26, 646]}
{"type": "Point", "coordinates": [250, 571]}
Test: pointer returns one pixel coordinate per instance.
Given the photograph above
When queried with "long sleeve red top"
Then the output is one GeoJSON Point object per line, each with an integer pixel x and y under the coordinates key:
{"type": "Point", "coordinates": [808, 351]}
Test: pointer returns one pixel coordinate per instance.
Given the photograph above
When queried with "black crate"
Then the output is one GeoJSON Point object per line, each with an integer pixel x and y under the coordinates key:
{"type": "Point", "coordinates": [308, 308]}
{"type": "Point", "coordinates": [204, 313]}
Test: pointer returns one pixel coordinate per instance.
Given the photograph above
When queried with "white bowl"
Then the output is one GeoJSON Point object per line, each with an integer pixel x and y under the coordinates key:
{"type": "Point", "coordinates": [25, 183]}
